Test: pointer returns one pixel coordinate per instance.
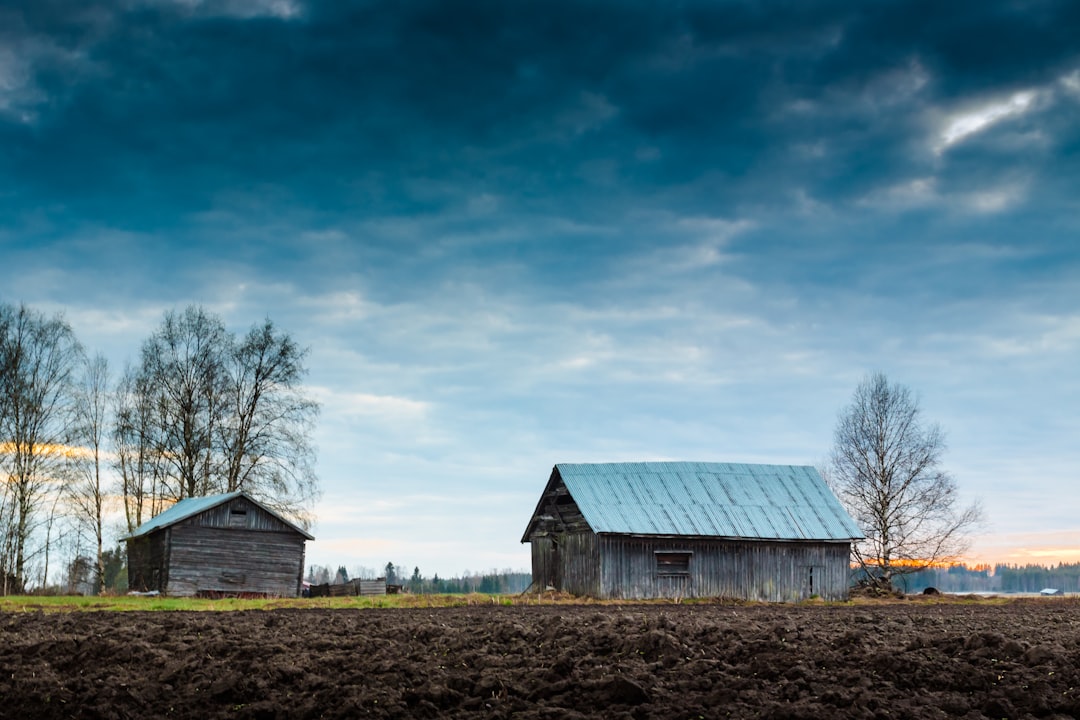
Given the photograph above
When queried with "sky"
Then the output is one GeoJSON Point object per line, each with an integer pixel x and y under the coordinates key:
{"type": "Point", "coordinates": [514, 234]}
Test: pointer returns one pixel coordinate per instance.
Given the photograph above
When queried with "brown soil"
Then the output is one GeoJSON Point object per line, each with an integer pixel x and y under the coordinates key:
{"type": "Point", "coordinates": [897, 660]}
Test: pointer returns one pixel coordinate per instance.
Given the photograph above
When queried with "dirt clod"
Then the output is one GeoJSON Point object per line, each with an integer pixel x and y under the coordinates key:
{"type": "Point", "coordinates": [896, 659]}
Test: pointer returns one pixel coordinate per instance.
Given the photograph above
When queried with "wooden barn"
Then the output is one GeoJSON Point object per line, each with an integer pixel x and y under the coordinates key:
{"type": "Point", "coordinates": [688, 529]}
{"type": "Point", "coordinates": [217, 545]}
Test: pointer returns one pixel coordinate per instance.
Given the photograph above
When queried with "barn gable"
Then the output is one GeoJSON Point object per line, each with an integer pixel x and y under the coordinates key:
{"type": "Point", "coordinates": [684, 529]}
{"type": "Point", "coordinates": [222, 544]}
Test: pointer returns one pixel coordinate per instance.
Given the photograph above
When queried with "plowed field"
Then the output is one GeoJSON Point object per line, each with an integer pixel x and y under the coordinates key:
{"type": "Point", "coordinates": [909, 659]}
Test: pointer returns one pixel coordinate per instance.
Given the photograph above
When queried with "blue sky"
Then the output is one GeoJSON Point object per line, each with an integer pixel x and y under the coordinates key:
{"type": "Point", "coordinates": [515, 234]}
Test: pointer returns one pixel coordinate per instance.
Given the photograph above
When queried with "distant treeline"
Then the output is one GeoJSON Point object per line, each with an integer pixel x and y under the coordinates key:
{"type": "Point", "coordinates": [493, 581]}
{"type": "Point", "coordinates": [997, 578]}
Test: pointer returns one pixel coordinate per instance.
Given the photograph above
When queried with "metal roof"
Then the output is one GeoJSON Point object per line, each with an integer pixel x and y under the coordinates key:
{"type": "Point", "coordinates": [190, 507]}
{"type": "Point", "coordinates": [775, 502]}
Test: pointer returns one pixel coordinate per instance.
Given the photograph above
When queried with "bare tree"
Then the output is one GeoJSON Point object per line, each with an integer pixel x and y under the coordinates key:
{"type": "Point", "coordinates": [38, 355]}
{"type": "Point", "coordinates": [265, 435]}
{"type": "Point", "coordinates": [54, 519]}
{"type": "Point", "coordinates": [88, 492]}
{"type": "Point", "coordinates": [886, 469]}
{"type": "Point", "coordinates": [135, 456]}
{"type": "Point", "coordinates": [206, 413]}
{"type": "Point", "coordinates": [182, 366]}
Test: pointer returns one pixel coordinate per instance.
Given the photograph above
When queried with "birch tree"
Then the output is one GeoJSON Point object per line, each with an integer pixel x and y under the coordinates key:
{"type": "Point", "coordinates": [89, 491]}
{"type": "Point", "coordinates": [135, 451]}
{"type": "Point", "coordinates": [265, 438]}
{"type": "Point", "coordinates": [886, 469]}
{"type": "Point", "coordinates": [183, 368]}
{"type": "Point", "coordinates": [38, 356]}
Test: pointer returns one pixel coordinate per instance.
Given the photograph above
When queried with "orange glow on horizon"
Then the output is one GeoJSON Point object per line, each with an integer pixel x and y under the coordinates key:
{"type": "Point", "coordinates": [1050, 555]}
{"type": "Point", "coordinates": [1044, 547]}
{"type": "Point", "coordinates": [906, 563]}
{"type": "Point", "coordinates": [68, 451]}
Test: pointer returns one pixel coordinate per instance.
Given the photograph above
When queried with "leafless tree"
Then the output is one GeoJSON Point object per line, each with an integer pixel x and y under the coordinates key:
{"type": "Point", "coordinates": [265, 436]}
{"type": "Point", "coordinates": [886, 469]}
{"type": "Point", "coordinates": [53, 525]}
{"type": "Point", "coordinates": [206, 412]}
{"type": "Point", "coordinates": [135, 456]}
{"type": "Point", "coordinates": [183, 369]}
{"type": "Point", "coordinates": [88, 492]}
{"type": "Point", "coordinates": [38, 357]}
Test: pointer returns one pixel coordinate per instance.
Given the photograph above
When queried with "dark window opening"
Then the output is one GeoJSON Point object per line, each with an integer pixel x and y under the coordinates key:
{"type": "Point", "coordinates": [673, 563]}
{"type": "Point", "coordinates": [815, 579]}
{"type": "Point", "coordinates": [237, 518]}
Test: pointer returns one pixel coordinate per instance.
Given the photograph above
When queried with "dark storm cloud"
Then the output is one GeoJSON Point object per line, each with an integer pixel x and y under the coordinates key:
{"type": "Point", "coordinates": [144, 113]}
{"type": "Point", "coordinates": [967, 45]}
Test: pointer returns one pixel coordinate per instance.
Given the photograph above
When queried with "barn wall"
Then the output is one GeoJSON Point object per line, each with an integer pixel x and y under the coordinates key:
{"type": "Point", "coordinates": [147, 562]}
{"type": "Point", "coordinates": [753, 570]}
{"type": "Point", "coordinates": [567, 562]}
{"type": "Point", "coordinates": [216, 559]}
{"type": "Point", "coordinates": [543, 571]}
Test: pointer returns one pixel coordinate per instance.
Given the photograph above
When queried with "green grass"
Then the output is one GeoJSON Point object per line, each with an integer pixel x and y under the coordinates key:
{"type": "Point", "coordinates": [125, 603]}
{"type": "Point", "coordinates": [122, 603]}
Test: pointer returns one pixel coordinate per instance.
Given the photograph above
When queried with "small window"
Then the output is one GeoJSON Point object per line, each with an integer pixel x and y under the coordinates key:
{"type": "Point", "coordinates": [238, 518]}
{"type": "Point", "coordinates": [673, 563]}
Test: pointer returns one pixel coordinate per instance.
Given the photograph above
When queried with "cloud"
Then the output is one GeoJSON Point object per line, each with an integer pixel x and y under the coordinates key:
{"type": "Point", "coordinates": [17, 95]}
{"type": "Point", "coordinates": [591, 112]}
{"type": "Point", "coordinates": [335, 308]}
{"type": "Point", "coordinates": [906, 195]}
{"type": "Point", "coordinates": [651, 106]}
{"type": "Point", "coordinates": [1037, 336]}
{"type": "Point", "coordinates": [384, 407]}
{"type": "Point", "coordinates": [1071, 83]}
{"type": "Point", "coordinates": [241, 9]}
{"type": "Point", "coordinates": [930, 193]}
{"type": "Point", "coordinates": [965, 123]}
{"type": "Point", "coordinates": [26, 61]}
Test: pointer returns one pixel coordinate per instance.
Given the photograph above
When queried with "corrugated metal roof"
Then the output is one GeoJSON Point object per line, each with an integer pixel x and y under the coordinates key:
{"type": "Point", "coordinates": [183, 510]}
{"type": "Point", "coordinates": [190, 507]}
{"type": "Point", "coordinates": [777, 502]}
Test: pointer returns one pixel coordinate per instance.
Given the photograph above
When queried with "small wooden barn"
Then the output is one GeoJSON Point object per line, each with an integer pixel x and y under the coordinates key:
{"type": "Point", "coordinates": [689, 529]}
{"type": "Point", "coordinates": [217, 545]}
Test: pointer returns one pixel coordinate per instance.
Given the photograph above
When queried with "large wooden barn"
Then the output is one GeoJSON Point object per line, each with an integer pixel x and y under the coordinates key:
{"type": "Point", "coordinates": [217, 545]}
{"type": "Point", "coordinates": [688, 529]}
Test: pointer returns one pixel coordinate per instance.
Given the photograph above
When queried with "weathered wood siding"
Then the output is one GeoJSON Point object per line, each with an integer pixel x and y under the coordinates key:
{"type": "Point", "coordinates": [147, 559]}
{"type": "Point", "coordinates": [567, 562]}
{"type": "Point", "coordinates": [543, 564]}
{"type": "Point", "coordinates": [752, 570]}
{"type": "Point", "coordinates": [239, 514]}
{"type": "Point", "coordinates": [220, 560]}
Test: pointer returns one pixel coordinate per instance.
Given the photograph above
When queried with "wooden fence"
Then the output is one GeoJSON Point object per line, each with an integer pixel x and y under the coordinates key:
{"type": "Point", "coordinates": [350, 589]}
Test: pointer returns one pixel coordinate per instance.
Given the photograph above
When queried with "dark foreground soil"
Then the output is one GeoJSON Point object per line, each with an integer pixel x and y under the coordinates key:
{"type": "Point", "coordinates": [899, 660]}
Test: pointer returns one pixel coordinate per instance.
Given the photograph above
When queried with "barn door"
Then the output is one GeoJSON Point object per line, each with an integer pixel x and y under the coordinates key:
{"type": "Point", "coordinates": [814, 582]}
{"type": "Point", "coordinates": [555, 566]}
